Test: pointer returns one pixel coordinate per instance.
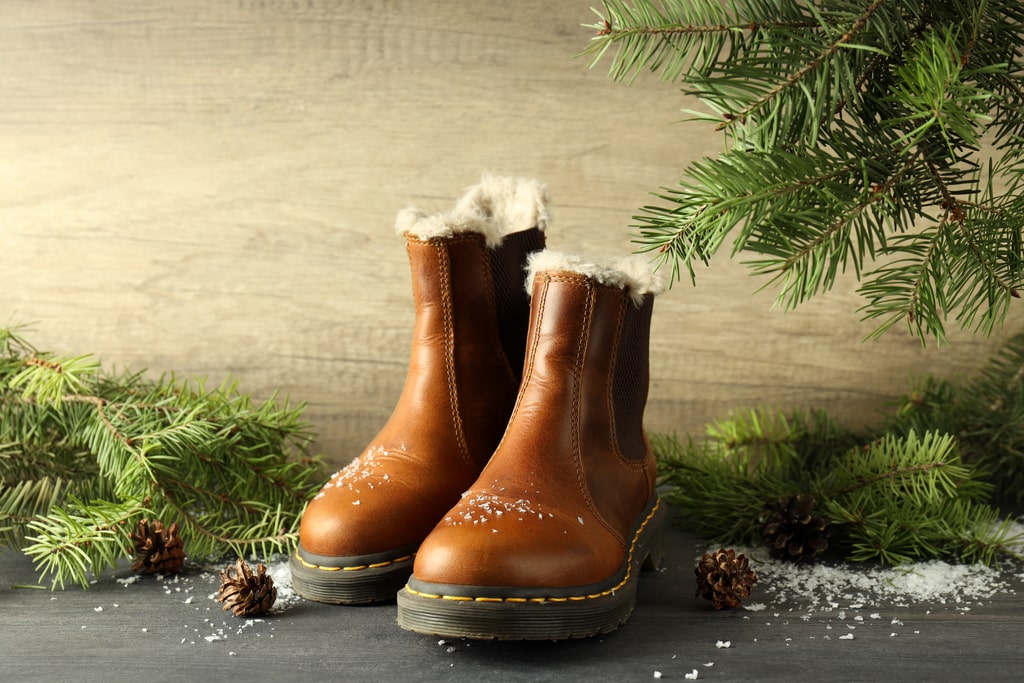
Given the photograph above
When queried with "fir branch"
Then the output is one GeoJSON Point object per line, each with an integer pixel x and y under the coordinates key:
{"type": "Point", "coordinates": [986, 538]}
{"type": "Point", "coordinates": [986, 414]}
{"type": "Point", "coordinates": [647, 37]}
{"type": "Point", "coordinates": [801, 74]}
{"type": "Point", "coordinates": [24, 501]}
{"type": "Point", "coordinates": [906, 287]}
{"type": "Point", "coordinates": [233, 474]}
{"type": "Point", "coordinates": [71, 543]}
{"type": "Point", "coordinates": [48, 378]}
{"type": "Point", "coordinates": [923, 485]}
{"type": "Point", "coordinates": [911, 468]}
{"type": "Point", "coordinates": [808, 267]}
{"type": "Point", "coordinates": [894, 500]}
{"type": "Point", "coordinates": [910, 88]}
{"type": "Point", "coordinates": [719, 493]}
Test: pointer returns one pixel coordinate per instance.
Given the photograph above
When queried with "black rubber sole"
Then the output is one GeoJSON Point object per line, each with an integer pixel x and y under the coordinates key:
{"type": "Point", "coordinates": [487, 613]}
{"type": "Point", "coordinates": [350, 581]}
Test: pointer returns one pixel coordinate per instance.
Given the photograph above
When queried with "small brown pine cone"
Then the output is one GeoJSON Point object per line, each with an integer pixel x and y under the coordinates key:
{"type": "Point", "coordinates": [723, 577]}
{"type": "Point", "coordinates": [157, 549]}
{"type": "Point", "coordinates": [792, 531]}
{"type": "Point", "coordinates": [244, 593]}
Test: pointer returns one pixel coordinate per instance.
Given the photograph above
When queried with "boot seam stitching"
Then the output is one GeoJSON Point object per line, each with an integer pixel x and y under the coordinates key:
{"type": "Point", "coordinates": [444, 259]}
{"type": "Point", "coordinates": [575, 417]}
{"type": "Point", "coordinates": [581, 355]}
{"type": "Point", "coordinates": [531, 356]}
{"type": "Point", "coordinates": [609, 388]}
{"type": "Point", "coordinates": [541, 599]}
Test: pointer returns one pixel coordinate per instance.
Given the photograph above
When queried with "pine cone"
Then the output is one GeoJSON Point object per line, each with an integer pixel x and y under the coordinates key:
{"type": "Point", "coordinates": [157, 549]}
{"type": "Point", "coordinates": [723, 577]}
{"type": "Point", "coordinates": [244, 593]}
{"type": "Point", "coordinates": [792, 532]}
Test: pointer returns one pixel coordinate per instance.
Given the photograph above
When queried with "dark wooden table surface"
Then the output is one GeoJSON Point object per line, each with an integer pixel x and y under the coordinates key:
{"type": "Point", "coordinates": [170, 629]}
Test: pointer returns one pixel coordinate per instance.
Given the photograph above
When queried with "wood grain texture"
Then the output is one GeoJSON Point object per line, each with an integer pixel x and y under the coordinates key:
{"type": "Point", "coordinates": [210, 188]}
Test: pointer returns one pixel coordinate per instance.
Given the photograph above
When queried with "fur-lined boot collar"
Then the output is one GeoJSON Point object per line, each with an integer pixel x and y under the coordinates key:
{"type": "Point", "coordinates": [633, 274]}
{"type": "Point", "coordinates": [495, 207]}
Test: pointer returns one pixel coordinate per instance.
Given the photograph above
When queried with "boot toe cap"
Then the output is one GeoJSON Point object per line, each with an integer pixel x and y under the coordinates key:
{"type": "Point", "coordinates": [343, 524]}
{"type": "Point", "coordinates": [332, 527]}
{"type": "Point", "coordinates": [545, 554]}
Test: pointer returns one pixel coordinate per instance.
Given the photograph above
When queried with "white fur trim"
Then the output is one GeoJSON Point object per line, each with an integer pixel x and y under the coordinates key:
{"type": "Point", "coordinates": [495, 207]}
{"type": "Point", "coordinates": [633, 274]}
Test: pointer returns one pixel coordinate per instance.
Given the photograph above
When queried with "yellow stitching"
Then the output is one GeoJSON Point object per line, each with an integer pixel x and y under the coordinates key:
{"type": "Point", "coordinates": [574, 598]}
{"type": "Point", "coordinates": [378, 565]}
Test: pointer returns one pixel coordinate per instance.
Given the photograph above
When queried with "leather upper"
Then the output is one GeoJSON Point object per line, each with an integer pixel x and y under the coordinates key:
{"type": "Point", "coordinates": [458, 394]}
{"type": "Point", "coordinates": [558, 502]}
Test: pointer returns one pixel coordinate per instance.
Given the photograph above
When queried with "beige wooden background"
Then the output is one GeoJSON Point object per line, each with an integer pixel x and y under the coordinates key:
{"type": "Point", "coordinates": [210, 188]}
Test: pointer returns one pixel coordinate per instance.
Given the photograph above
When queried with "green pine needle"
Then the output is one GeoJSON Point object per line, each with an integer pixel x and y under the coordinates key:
{"type": "Point", "coordinates": [853, 136]}
{"type": "Point", "coordinates": [924, 485]}
{"type": "Point", "coordinates": [85, 454]}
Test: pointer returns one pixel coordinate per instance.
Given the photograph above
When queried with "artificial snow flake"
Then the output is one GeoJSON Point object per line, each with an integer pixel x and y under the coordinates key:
{"type": "Point", "coordinates": [828, 588]}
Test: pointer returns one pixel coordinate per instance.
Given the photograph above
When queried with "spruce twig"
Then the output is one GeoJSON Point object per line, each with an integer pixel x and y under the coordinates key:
{"type": "Point", "coordinates": [878, 111]}
{"type": "Point", "coordinates": [85, 454]}
{"type": "Point", "coordinates": [924, 485]}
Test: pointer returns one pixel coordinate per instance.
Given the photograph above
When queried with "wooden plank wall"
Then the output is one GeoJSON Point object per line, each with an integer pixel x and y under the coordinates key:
{"type": "Point", "coordinates": [210, 188]}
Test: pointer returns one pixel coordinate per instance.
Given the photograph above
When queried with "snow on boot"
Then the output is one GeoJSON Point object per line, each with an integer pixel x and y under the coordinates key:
{"type": "Point", "coordinates": [549, 541]}
{"type": "Point", "coordinates": [359, 535]}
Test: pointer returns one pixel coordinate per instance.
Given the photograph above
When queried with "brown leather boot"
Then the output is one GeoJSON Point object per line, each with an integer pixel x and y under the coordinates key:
{"type": "Point", "coordinates": [358, 536]}
{"type": "Point", "coordinates": [549, 540]}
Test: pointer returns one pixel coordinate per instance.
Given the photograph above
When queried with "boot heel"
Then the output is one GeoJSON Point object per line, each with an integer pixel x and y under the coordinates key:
{"type": "Point", "coordinates": [656, 545]}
